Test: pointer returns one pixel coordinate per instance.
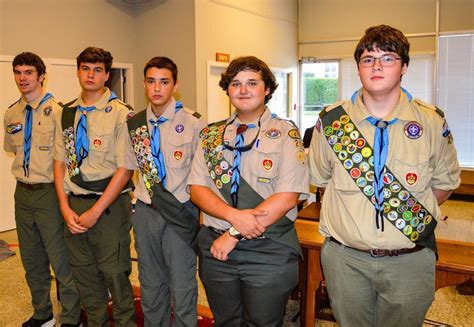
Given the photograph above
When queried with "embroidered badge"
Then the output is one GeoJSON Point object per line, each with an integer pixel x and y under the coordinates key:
{"type": "Point", "coordinates": [225, 178]}
{"type": "Point", "coordinates": [355, 173]}
{"type": "Point", "coordinates": [108, 109]}
{"type": "Point", "coordinates": [267, 164]}
{"type": "Point", "coordinates": [366, 152]}
{"type": "Point", "coordinates": [273, 133]}
{"type": "Point", "coordinates": [97, 142]}
{"type": "Point", "coordinates": [336, 124]}
{"type": "Point", "coordinates": [47, 111]}
{"type": "Point", "coordinates": [293, 133]}
{"type": "Point", "coordinates": [263, 180]}
{"type": "Point", "coordinates": [14, 128]}
{"type": "Point", "coordinates": [413, 130]}
{"type": "Point", "coordinates": [301, 156]}
{"type": "Point", "coordinates": [411, 178]}
{"type": "Point", "coordinates": [177, 154]}
{"type": "Point", "coordinates": [179, 128]}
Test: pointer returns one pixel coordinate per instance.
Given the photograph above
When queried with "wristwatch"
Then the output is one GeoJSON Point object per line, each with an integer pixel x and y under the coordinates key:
{"type": "Point", "coordinates": [235, 233]}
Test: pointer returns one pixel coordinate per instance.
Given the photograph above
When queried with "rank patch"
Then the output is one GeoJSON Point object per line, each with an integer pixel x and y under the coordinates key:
{"type": "Point", "coordinates": [411, 178]}
{"type": "Point", "coordinates": [267, 164]}
{"type": "Point", "coordinates": [97, 142]}
{"type": "Point", "coordinates": [179, 128]}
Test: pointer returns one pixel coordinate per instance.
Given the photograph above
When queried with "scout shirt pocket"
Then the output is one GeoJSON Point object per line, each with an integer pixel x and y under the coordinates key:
{"type": "Point", "coordinates": [343, 182]}
{"type": "Point", "coordinates": [179, 150]}
{"type": "Point", "coordinates": [99, 136]}
{"type": "Point", "coordinates": [265, 162]}
{"type": "Point", "coordinates": [45, 136]}
{"type": "Point", "coordinates": [414, 172]}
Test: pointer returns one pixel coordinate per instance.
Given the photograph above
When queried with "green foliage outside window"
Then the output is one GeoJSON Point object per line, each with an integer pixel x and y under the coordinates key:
{"type": "Point", "coordinates": [320, 92]}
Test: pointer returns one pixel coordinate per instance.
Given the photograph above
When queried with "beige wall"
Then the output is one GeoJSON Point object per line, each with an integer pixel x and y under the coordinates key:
{"type": "Point", "coordinates": [167, 29]}
{"type": "Point", "coordinates": [62, 28]}
{"type": "Point", "coordinates": [324, 23]}
{"type": "Point", "coordinates": [265, 28]}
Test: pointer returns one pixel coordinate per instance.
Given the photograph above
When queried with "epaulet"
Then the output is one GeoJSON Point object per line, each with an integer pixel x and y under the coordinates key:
{"type": "Point", "coordinates": [192, 112]}
{"type": "Point", "coordinates": [129, 107]}
{"type": "Point", "coordinates": [290, 122]}
{"type": "Point", "coordinates": [430, 106]}
{"type": "Point", "coordinates": [14, 103]}
{"type": "Point", "coordinates": [69, 103]}
{"type": "Point", "coordinates": [330, 107]}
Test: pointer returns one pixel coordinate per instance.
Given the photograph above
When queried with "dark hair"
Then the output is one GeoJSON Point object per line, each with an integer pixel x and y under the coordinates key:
{"type": "Point", "coordinates": [162, 62]}
{"type": "Point", "coordinates": [94, 55]}
{"type": "Point", "coordinates": [249, 63]}
{"type": "Point", "coordinates": [30, 59]}
{"type": "Point", "coordinates": [385, 38]}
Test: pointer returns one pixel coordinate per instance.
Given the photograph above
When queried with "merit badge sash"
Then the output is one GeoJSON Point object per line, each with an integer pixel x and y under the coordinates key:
{"type": "Point", "coordinates": [401, 208]}
{"type": "Point", "coordinates": [69, 139]}
{"type": "Point", "coordinates": [220, 171]}
{"type": "Point", "coordinates": [181, 219]}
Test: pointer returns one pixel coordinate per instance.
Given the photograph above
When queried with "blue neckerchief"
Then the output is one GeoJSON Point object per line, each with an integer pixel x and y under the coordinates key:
{"type": "Point", "coordinates": [380, 157]}
{"type": "Point", "coordinates": [82, 140]}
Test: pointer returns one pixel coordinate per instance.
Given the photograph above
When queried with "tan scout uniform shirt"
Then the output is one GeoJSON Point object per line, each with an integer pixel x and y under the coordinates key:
{"type": "Point", "coordinates": [179, 139]}
{"type": "Point", "coordinates": [346, 213]}
{"type": "Point", "coordinates": [42, 136]}
{"type": "Point", "coordinates": [276, 163]}
{"type": "Point", "coordinates": [108, 138]}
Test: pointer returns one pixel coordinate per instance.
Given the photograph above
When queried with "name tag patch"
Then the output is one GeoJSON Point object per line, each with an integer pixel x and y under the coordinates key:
{"type": "Point", "coordinates": [264, 180]}
{"type": "Point", "coordinates": [44, 148]}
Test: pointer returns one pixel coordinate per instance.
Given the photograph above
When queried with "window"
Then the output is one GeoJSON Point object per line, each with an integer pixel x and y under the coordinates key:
{"type": "Point", "coordinates": [455, 91]}
{"type": "Point", "coordinates": [319, 88]}
{"type": "Point", "coordinates": [279, 104]}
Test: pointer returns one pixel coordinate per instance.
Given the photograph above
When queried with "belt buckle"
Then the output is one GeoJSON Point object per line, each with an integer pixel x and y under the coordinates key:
{"type": "Point", "coordinates": [376, 253]}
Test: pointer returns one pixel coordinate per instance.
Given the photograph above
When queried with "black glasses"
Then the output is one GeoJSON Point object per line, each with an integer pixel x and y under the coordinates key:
{"type": "Point", "coordinates": [385, 60]}
{"type": "Point", "coordinates": [243, 128]}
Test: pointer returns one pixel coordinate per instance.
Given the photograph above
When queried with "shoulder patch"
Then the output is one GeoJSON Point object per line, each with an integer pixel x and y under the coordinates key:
{"type": "Point", "coordinates": [13, 103]}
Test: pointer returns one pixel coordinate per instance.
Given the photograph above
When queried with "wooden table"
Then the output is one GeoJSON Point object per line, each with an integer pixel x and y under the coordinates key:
{"type": "Point", "coordinates": [454, 266]}
{"type": "Point", "coordinates": [310, 212]}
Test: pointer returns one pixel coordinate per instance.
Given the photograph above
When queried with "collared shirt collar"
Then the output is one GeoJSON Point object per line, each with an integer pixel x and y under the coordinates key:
{"type": "Point", "coordinates": [99, 104]}
{"type": "Point", "coordinates": [403, 111]}
{"type": "Point", "coordinates": [265, 118]}
{"type": "Point", "coordinates": [34, 104]}
{"type": "Point", "coordinates": [169, 112]}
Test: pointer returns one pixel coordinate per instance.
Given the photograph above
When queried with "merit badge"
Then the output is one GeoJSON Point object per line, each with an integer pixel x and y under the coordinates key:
{"type": "Point", "coordinates": [360, 143]}
{"type": "Point", "coordinates": [342, 155]}
{"type": "Point", "coordinates": [400, 223]}
{"type": "Point", "coordinates": [394, 202]}
{"type": "Point", "coordinates": [366, 152]}
{"type": "Point", "coordinates": [273, 133]}
{"type": "Point", "coordinates": [340, 133]}
{"type": "Point", "coordinates": [411, 178]}
{"type": "Point", "coordinates": [413, 130]}
{"type": "Point", "coordinates": [387, 178]}
{"type": "Point", "coordinates": [362, 182]}
{"type": "Point", "coordinates": [218, 170]}
{"type": "Point", "coordinates": [47, 111]}
{"type": "Point", "coordinates": [420, 228]}
{"type": "Point", "coordinates": [225, 179]}
{"type": "Point", "coordinates": [108, 109]}
{"type": "Point", "coordinates": [369, 190]}
{"type": "Point", "coordinates": [177, 154]}
{"type": "Point", "coordinates": [224, 165]}
{"type": "Point", "coordinates": [351, 148]}
{"type": "Point", "coordinates": [395, 187]}
{"type": "Point", "coordinates": [355, 173]}
{"type": "Point", "coordinates": [267, 164]}
{"type": "Point", "coordinates": [332, 139]}
{"type": "Point", "coordinates": [97, 142]}
{"type": "Point", "coordinates": [14, 128]}
{"type": "Point", "coordinates": [364, 167]}
{"type": "Point", "coordinates": [403, 195]}
{"type": "Point", "coordinates": [370, 175]}
{"type": "Point", "coordinates": [327, 130]}
{"type": "Point", "coordinates": [392, 215]}
{"type": "Point", "coordinates": [179, 128]}
{"type": "Point", "coordinates": [345, 140]}
{"type": "Point", "coordinates": [357, 157]}
{"type": "Point", "coordinates": [354, 135]}
{"type": "Point", "coordinates": [344, 119]}
{"type": "Point", "coordinates": [348, 163]}
{"type": "Point", "coordinates": [337, 147]}
{"type": "Point", "coordinates": [336, 124]}
{"type": "Point", "coordinates": [407, 230]}
{"type": "Point", "coordinates": [293, 133]}
{"type": "Point", "coordinates": [349, 127]}
{"type": "Point", "coordinates": [414, 222]}
{"type": "Point", "coordinates": [414, 236]}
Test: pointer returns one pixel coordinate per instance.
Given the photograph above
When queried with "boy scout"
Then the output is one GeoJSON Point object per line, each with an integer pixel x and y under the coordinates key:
{"type": "Point", "coordinates": [91, 136]}
{"type": "Point", "coordinates": [164, 138]}
{"type": "Point", "coordinates": [29, 134]}
{"type": "Point", "coordinates": [387, 162]}
{"type": "Point", "coordinates": [247, 178]}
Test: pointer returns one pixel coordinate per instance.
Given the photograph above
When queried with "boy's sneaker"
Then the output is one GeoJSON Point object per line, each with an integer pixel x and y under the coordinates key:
{"type": "Point", "coordinates": [32, 322]}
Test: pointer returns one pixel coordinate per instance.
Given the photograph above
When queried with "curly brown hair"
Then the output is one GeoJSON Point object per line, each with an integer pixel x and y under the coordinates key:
{"type": "Point", "coordinates": [385, 38]}
{"type": "Point", "coordinates": [249, 63]}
